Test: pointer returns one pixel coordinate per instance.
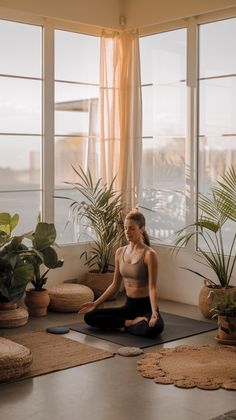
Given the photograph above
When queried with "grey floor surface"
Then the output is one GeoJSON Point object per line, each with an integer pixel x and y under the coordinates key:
{"type": "Point", "coordinates": [110, 389]}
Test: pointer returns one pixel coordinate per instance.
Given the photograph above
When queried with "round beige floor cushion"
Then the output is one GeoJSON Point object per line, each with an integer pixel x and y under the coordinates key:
{"type": "Point", "coordinates": [204, 367]}
{"type": "Point", "coordinates": [68, 297]}
{"type": "Point", "coordinates": [15, 359]}
{"type": "Point", "coordinates": [13, 318]}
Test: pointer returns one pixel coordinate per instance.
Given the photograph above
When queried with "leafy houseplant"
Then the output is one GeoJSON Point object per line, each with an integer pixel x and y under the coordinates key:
{"type": "Point", "coordinates": [42, 253]}
{"type": "Point", "coordinates": [224, 308]}
{"type": "Point", "coordinates": [216, 210]}
{"type": "Point", "coordinates": [16, 271]}
{"type": "Point", "coordinates": [43, 240]}
{"type": "Point", "coordinates": [101, 209]}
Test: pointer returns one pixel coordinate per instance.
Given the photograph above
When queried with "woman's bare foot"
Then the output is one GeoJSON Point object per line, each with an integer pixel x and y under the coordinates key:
{"type": "Point", "coordinates": [134, 321]}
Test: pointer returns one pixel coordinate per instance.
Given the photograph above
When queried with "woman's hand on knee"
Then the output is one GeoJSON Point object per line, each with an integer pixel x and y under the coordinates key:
{"type": "Point", "coordinates": [87, 307]}
{"type": "Point", "coordinates": [153, 320]}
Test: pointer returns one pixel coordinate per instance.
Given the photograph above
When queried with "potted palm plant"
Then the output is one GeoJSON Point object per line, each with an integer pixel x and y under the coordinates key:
{"type": "Point", "coordinates": [42, 254]}
{"type": "Point", "coordinates": [216, 210]}
{"type": "Point", "coordinates": [15, 272]}
{"type": "Point", "coordinates": [224, 308]}
{"type": "Point", "coordinates": [101, 209]}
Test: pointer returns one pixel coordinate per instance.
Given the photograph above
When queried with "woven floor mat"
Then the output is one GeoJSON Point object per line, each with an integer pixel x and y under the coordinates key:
{"type": "Point", "coordinates": [53, 353]}
{"type": "Point", "coordinates": [204, 367]}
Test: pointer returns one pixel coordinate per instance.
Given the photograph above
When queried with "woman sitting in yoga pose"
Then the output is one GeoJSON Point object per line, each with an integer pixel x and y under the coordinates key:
{"type": "Point", "coordinates": [137, 265]}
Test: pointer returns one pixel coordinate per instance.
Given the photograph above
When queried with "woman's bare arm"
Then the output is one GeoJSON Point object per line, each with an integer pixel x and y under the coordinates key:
{"type": "Point", "coordinates": [152, 264]}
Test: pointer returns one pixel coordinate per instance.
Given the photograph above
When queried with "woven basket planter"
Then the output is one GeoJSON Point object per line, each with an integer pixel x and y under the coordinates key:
{"type": "Point", "coordinates": [99, 282]}
{"type": "Point", "coordinates": [68, 297]}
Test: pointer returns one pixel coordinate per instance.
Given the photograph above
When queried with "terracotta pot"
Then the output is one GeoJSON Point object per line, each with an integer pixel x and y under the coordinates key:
{"type": "Point", "coordinates": [37, 302]}
{"type": "Point", "coordinates": [98, 282]}
{"type": "Point", "coordinates": [227, 328]}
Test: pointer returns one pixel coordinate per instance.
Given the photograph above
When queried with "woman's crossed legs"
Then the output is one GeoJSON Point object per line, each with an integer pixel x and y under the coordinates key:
{"type": "Point", "coordinates": [116, 318]}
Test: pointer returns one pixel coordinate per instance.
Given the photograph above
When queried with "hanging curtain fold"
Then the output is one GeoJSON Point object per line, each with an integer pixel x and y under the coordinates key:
{"type": "Point", "coordinates": [121, 113]}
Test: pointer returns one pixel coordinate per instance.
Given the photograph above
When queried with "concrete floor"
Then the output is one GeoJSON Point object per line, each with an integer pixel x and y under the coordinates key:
{"type": "Point", "coordinates": [111, 389]}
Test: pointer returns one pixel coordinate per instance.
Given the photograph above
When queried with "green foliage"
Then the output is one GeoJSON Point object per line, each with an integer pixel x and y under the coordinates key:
{"type": "Point", "coordinates": [21, 264]}
{"type": "Point", "coordinates": [223, 303]}
{"type": "Point", "coordinates": [216, 210]}
{"type": "Point", "coordinates": [102, 211]}
{"type": "Point", "coordinates": [42, 252]}
{"type": "Point", "coordinates": [15, 270]}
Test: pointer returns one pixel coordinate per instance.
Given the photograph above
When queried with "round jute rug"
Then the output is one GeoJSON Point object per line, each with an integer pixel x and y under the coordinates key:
{"type": "Point", "coordinates": [205, 367]}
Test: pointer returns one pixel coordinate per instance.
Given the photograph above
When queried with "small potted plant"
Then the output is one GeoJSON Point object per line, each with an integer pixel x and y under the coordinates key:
{"type": "Point", "coordinates": [101, 209]}
{"type": "Point", "coordinates": [42, 254]}
{"type": "Point", "coordinates": [224, 308]}
{"type": "Point", "coordinates": [216, 210]}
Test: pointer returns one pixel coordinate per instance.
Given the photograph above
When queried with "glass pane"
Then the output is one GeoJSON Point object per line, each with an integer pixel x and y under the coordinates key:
{"type": "Point", "coordinates": [76, 57]}
{"type": "Point", "coordinates": [163, 57]}
{"type": "Point", "coordinates": [20, 104]}
{"type": "Point", "coordinates": [21, 51]}
{"type": "Point", "coordinates": [163, 186]}
{"type": "Point", "coordinates": [68, 230]}
{"type": "Point", "coordinates": [217, 106]}
{"type": "Point", "coordinates": [217, 49]}
{"type": "Point", "coordinates": [76, 109]}
{"type": "Point", "coordinates": [21, 169]}
{"type": "Point", "coordinates": [76, 151]}
{"type": "Point", "coordinates": [27, 204]}
{"type": "Point", "coordinates": [164, 110]}
{"type": "Point", "coordinates": [216, 153]}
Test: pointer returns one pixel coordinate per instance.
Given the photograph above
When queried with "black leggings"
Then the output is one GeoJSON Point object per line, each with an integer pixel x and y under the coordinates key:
{"type": "Point", "coordinates": [114, 318]}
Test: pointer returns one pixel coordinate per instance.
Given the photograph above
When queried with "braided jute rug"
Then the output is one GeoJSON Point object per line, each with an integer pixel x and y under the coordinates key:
{"type": "Point", "coordinates": [205, 367]}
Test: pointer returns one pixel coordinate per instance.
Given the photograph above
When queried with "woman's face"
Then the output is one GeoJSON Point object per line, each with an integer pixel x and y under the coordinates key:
{"type": "Point", "coordinates": [133, 232]}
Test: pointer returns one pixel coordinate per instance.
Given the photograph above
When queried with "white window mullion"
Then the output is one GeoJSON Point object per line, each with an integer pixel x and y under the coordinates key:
{"type": "Point", "coordinates": [48, 126]}
{"type": "Point", "coordinates": [191, 143]}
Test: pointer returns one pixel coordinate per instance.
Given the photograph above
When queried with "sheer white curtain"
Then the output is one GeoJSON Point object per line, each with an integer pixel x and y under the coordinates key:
{"type": "Point", "coordinates": [121, 112]}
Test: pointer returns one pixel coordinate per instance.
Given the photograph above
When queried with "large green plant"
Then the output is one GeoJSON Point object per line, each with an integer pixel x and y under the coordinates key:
{"type": "Point", "coordinates": [216, 210]}
{"type": "Point", "coordinates": [15, 269]}
{"type": "Point", "coordinates": [101, 208]}
{"type": "Point", "coordinates": [43, 253]}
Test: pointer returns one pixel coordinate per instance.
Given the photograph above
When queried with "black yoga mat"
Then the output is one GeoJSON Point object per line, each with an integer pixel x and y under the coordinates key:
{"type": "Point", "coordinates": [176, 327]}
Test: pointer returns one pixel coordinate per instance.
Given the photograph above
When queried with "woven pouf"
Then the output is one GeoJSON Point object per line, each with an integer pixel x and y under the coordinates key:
{"type": "Point", "coordinates": [15, 359]}
{"type": "Point", "coordinates": [13, 318]}
{"type": "Point", "coordinates": [67, 297]}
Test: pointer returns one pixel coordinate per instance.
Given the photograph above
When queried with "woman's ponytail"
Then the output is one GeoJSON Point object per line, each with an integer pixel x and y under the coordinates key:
{"type": "Point", "coordinates": [146, 239]}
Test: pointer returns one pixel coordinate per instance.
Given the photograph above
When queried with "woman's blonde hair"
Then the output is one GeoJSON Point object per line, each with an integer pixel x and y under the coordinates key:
{"type": "Point", "coordinates": [138, 217]}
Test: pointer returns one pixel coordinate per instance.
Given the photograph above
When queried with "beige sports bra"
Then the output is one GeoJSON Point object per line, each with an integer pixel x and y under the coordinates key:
{"type": "Point", "coordinates": [137, 271]}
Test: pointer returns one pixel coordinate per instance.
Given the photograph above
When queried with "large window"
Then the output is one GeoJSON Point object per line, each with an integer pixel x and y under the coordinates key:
{"type": "Point", "coordinates": [163, 77]}
{"type": "Point", "coordinates": [168, 148]}
{"type": "Point", "coordinates": [217, 102]}
{"type": "Point", "coordinates": [20, 120]}
{"type": "Point", "coordinates": [76, 120]}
